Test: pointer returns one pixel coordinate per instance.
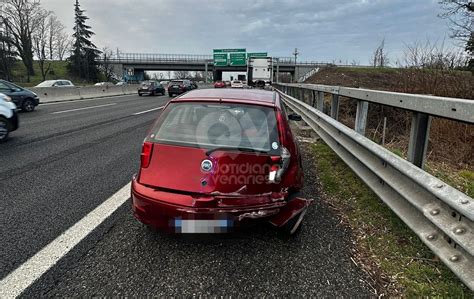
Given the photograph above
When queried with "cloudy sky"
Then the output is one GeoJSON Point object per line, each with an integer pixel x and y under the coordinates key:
{"type": "Point", "coordinates": [322, 30]}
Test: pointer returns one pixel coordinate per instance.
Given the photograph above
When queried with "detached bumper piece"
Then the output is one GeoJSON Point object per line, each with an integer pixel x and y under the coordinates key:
{"type": "Point", "coordinates": [294, 208]}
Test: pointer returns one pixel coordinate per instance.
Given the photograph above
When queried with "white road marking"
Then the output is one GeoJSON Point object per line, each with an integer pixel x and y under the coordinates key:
{"type": "Point", "coordinates": [85, 100]}
{"type": "Point", "coordinates": [25, 275]}
{"type": "Point", "coordinates": [158, 108]}
{"type": "Point", "coordinates": [85, 108]}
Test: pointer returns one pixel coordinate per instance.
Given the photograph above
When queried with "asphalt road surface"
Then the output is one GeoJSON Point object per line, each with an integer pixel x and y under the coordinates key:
{"type": "Point", "coordinates": [69, 158]}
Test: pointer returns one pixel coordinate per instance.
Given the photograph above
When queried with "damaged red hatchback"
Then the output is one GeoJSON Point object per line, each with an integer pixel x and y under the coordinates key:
{"type": "Point", "coordinates": [219, 159]}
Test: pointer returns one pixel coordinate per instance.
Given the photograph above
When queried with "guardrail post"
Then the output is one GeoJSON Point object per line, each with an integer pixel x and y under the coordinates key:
{"type": "Point", "coordinates": [419, 134]}
{"type": "Point", "coordinates": [320, 101]}
{"type": "Point", "coordinates": [277, 70]}
{"type": "Point", "coordinates": [335, 106]}
{"type": "Point", "coordinates": [313, 97]}
{"type": "Point", "coordinates": [361, 117]}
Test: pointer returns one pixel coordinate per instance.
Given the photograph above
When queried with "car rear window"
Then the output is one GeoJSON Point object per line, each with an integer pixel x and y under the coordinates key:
{"type": "Point", "coordinates": [211, 125]}
{"type": "Point", "coordinates": [176, 82]}
{"type": "Point", "coordinates": [146, 84]}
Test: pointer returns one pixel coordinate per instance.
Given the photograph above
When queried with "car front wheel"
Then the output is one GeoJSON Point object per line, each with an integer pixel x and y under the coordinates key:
{"type": "Point", "coordinates": [28, 105]}
{"type": "Point", "coordinates": [3, 129]}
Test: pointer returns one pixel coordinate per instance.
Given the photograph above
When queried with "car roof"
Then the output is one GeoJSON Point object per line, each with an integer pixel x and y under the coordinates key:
{"type": "Point", "coordinates": [253, 96]}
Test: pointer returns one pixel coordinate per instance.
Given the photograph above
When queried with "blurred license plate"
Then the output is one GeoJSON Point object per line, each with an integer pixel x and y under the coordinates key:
{"type": "Point", "coordinates": [202, 226]}
{"type": "Point", "coordinates": [175, 86]}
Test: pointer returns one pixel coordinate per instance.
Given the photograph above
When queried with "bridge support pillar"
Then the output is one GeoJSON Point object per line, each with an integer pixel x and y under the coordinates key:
{"type": "Point", "coordinates": [361, 117]}
{"type": "Point", "coordinates": [206, 74]}
{"type": "Point", "coordinates": [335, 106]}
{"type": "Point", "coordinates": [320, 101]}
{"type": "Point", "coordinates": [419, 134]}
{"type": "Point", "coordinates": [217, 75]}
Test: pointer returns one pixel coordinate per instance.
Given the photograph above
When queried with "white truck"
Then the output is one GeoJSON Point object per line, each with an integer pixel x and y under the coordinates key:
{"type": "Point", "coordinates": [260, 71]}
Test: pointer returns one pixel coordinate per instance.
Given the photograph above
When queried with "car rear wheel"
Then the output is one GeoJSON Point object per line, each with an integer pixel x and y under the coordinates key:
{"type": "Point", "coordinates": [171, 95]}
{"type": "Point", "coordinates": [139, 94]}
{"type": "Point", "coordinates": [4, 131]}
{"type": "Point", "coordinates": [28, 105]}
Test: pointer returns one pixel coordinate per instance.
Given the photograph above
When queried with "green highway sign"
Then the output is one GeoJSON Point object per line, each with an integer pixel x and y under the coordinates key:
{"type": "Point", "coordinates": [229, 50]}
{"type": "Point", "coordinates": [238, 59]}
{"type": "Point", "coordinates": [258, 54]}
{"type": "Point", "coordinates": [220, 59]}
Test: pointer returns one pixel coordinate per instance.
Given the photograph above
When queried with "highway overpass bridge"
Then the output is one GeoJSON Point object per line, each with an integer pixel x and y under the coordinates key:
{"type": "Point", "coordinates": [132, 66]}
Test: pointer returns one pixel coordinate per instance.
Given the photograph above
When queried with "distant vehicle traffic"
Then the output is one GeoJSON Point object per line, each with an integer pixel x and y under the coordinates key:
{"type": "Point", "coordinates": [165, 83]}
{"type": "Point", "coordinates": [194, 85]}
{"type": "Point", "coordinates": [236, 84]}
{"type": "Point", "coordinates": [55, 83]}
{"type": "Point", "coordinates": [219, 84]}
{"type": "Point", "coordinates": [23, 98]}
{"type": "Point", "coordinates": [176, 87]}
{"type": "Point", "coordinates": [121, 83]}
{"type": "Point", "coordinates": [8, 117]}
{"type": "Point", "coordinates": [191, 179]}
{"type": "Point", "coordinates": [260, 71]}
{"type": "Point", "coordinates": [151, 87]}
{"type": "Point", "coordinates": [104, 84]}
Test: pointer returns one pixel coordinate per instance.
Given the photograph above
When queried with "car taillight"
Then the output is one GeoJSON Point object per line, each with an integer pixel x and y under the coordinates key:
{"type": "Point", "coordinates": [145, 157]}
{"type": "Point", "coordinates": [279, 165]}
{"type": "Point", "coordinates": [281, 128]}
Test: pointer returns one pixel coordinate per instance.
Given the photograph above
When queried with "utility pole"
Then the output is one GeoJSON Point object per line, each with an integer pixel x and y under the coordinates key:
{"type": "Point", "coordinates": [296, 54]}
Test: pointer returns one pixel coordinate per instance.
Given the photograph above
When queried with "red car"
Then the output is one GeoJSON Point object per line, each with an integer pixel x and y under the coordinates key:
{"type": "Point", "coordinates": [218, 159]}
{"type": "Point", "coordinates": [219, 84]}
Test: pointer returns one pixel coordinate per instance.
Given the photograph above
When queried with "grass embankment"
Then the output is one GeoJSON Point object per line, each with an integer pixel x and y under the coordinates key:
{"type": "Point", "coordinates": [384, 242]}
{"type": "Point", "coordinates": [58, 71]}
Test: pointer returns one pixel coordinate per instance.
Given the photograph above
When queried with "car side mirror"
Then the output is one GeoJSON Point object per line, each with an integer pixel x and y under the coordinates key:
{"type": "Point", "coordinates": [295, 117]}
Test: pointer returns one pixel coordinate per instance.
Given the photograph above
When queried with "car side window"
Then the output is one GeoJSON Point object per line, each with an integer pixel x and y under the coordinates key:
{"type": "Point", "coordinates": [63, 83]}
{"type": "Point", "coordinates": [4, 87]}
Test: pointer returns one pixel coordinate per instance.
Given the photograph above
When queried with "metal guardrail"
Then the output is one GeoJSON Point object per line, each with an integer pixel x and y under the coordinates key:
{"type": "Point", "coordinates": [441, 216]}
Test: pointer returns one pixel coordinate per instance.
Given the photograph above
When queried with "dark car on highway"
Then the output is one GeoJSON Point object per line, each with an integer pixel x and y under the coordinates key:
{"type": "Point", "coordinates": [218, 159]}
{"type": "Point", "coordinates": [152, 88]}
{"type": "Point", "coordinates": [176, 87]}
{"type": "Point", "coordinates": [23, 98]}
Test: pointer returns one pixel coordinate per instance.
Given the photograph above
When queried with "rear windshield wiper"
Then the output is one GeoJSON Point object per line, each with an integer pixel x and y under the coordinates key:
{"type": "Point", "coordinates": [240, 149]}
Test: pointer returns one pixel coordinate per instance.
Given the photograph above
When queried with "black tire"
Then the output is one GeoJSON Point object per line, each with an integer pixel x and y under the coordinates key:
{"type": "Point", "coordinates": [171, 95]}
{"type": "Point", "coordinates": [139, 94]}
{"type": "Point", "coordinates": [4, 129]}
{"type": "Point", "coordinates": [153, 93]}
{"type": "Point", "coordinates": [28, 105]}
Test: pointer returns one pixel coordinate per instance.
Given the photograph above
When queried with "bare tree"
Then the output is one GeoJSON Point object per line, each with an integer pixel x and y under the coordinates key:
{"type": "Point", "coordinates": [40, 41]}
{"type": "Point", "coordinates": [7, 52]}
{"type": "Point", "coordinates": [460, 14]}
{"type": "Point", "coordinates": [20, 18]}
{"type": "Point", "coordinates": [55, 32]}
{"type": "Point", "coordinates": [63, 46]}
{"type": "Point", "coordinates": [433, 55]}
{"type": "Point", "coordinates": [380, 56]}
{"type": "Point", "coordinates": [106, 64]}
{"type": "Point", "coordinates": [181, 74]}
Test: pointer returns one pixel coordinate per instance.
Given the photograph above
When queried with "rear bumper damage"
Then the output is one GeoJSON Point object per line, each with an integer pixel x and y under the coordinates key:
{"type": "Point", "coordinates": [171, 211]}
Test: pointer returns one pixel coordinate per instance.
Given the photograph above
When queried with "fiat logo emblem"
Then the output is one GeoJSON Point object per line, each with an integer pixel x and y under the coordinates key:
{"type": "Point", "coordinates": [206, 165]}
